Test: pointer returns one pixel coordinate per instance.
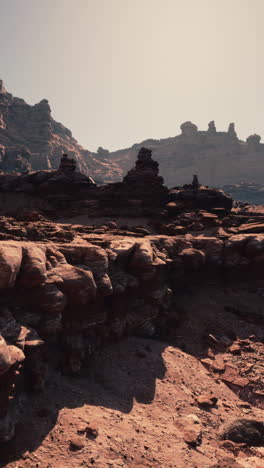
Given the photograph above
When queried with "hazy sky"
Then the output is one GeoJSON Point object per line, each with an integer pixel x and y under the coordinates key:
{"type": "Point", "coordinates": [119, 71]}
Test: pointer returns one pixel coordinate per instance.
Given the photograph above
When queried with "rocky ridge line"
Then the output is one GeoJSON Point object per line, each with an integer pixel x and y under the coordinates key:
{"type": "Point", "coordinates": [30, 139]}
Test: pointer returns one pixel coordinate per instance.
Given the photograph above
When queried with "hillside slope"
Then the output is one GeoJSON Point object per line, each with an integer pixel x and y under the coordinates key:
{"type": "Point", "coordinates": [30, 139]}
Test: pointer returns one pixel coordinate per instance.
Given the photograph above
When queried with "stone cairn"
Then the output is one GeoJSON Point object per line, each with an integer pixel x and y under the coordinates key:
{"type": "Point", "coordinates": [145, 167]}
{"type": "Point", "coordinates": [143, 180]}
{"type": "Point", "coordinates": [146, 170]}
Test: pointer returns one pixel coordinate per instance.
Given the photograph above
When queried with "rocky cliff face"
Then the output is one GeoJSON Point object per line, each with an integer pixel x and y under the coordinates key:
{"type": "Point", "coordinates": [30, 139]}
{"type": "Point", "coordinates": [66, 192]}
{"type": "Point", "coordinates": [65, 298]}
{"type": "Point", "coordinates": [218, 158]}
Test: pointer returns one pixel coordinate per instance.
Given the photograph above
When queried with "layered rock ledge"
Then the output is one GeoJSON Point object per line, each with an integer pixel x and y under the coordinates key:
{"type": "Point", "coordinates": [60, 303]}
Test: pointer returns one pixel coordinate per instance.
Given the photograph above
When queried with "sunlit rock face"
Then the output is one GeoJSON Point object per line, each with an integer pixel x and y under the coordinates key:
{"type": "Point", "coordinates": [30, 139]}
{"type": "Point", "coordinates": [218, 157]}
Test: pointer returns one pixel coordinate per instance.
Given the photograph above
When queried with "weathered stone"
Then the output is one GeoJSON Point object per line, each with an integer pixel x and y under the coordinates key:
{"type": "Point", "coordinates": [10, 263]}
{"type": "Point", "coordinates": [143, 256]}
{"type": "Point", "coordinates": [190, 429]}
{"type": "Point", "coordinates": [78, 285]}
{"type": "Point", "coordinates": [76, 443]}
{"type": "Point", "coordinates": [5, 357]}
{"type": "Point", "coordinates": [34, 141]}
{"type": "Point", "coordinates": [51, 299]}
{"type": "Point", "coordinates": [33, 268]}
{"type": "Point", "coordinates": [206, 400]}
{"type": "Point", "coordinates": [235, 349]}
{"type": "Point", "coordinates": [231, 376]}
{"type": "Point", "coordinates": [248, 431]}
{"type": "Point", "coordinates": [16, 355]}
{"type": "Point", "coordinates": [192, 258]}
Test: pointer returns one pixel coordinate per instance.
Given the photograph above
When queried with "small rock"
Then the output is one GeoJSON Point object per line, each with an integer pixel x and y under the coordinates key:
{"type": "Point", "coordinates": [244, 405]}
{"type": "Point", "coordinates": [76, 443]}
{"type": "Point", "coordinates": [218, 365]}
{"type": "Point", "coordinates": [5, 358]}
{"type": "Point", "coordinates": [232, 376]}
{"type": "Point", "coordinates": [212, 340]}
{"type": "Point", "coordinates": [245, 431]}
{"type": "Point", "coordinates": [231, 446]}
{"type": "Point", "coordinates": [190, 429]}
{"type": "Point", "coordinates": [141, 230]}
{"type": "Point", "coordinates": [207, 362]}
{"type": "Point", "coordinates": [206, 401]}
{"type": "Point", "coordinates": [196, 226]}
{"type": "Point", "coordinates": [248, 349]}
{"type": "Point", "coordinates": [92, 430]}
{"type": "Point", "coordinates": [235, 349]}
{"type": "Point", "coordinates": [25, 455]}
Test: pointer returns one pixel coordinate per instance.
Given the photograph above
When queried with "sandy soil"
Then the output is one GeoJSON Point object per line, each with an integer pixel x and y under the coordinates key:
{"type": "Point", "coordinates": [136, 393]}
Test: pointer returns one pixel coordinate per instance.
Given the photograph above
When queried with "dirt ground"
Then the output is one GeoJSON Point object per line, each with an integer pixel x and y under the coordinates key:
{"type": "Point", "coordinates": [139, 394]}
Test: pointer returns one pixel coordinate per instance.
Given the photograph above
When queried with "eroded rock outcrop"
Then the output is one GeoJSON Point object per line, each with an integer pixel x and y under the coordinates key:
{"type": "Point", "coordinates": [196, 196]}
{"type": "Point", "coordinates": [68, 192]}
{"type": "Point", "coordinates": [32, 140]}
{"type": "Point", "coordinates": [74, 297]}
{"type": "Point", "coordinates": [219, 157]}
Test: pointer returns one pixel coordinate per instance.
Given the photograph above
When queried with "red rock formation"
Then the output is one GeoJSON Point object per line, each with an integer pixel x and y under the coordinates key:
{"type": "Point", "coordinates": [58, 295]}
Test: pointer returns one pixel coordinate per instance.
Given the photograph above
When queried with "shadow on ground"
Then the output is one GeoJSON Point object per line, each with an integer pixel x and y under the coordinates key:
{"type": "Point", "coordinates": [127, 371]}
{"type": "Point", "coordinates": [118, 375]}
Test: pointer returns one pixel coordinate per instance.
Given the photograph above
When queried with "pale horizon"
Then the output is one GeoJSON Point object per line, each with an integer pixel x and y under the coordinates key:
{"type": "Point", "coordinates": [117, 72]}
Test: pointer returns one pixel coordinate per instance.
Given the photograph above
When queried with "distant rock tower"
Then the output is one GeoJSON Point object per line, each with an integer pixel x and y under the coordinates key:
{"type": "Point", "coordinates": [211, 127]}
{"type": "Point", "coordinates": [146, 169]}
{"type": "Point", "coordinates": [67, 165]}
{"type": "Point", "coordinates": [143, 181]}
{"type": "Point", "coordinates": [195, 182]}
{"type": "Point", "coordinates": [253, 142]}
{"type": "Point", "coordinates": [188, 129]}
{"type": "Point", "coordinates": [231, 131]}
{"type": "Point", "coordinates": [2, 88]}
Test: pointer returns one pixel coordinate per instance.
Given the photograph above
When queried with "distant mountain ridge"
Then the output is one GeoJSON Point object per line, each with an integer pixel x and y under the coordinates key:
{"type": "Point", "coordinates": [219, 158]}
{"type": "Point", "coordinates": [30, 139]}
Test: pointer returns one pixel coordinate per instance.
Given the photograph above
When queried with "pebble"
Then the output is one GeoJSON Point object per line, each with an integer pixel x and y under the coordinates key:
{"type": "Point", "coordinates": [206, 400]}
{"type": "Point", "coordinates": [235, 349]}
{"type": "Point", "coordinates": [76, 443]}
